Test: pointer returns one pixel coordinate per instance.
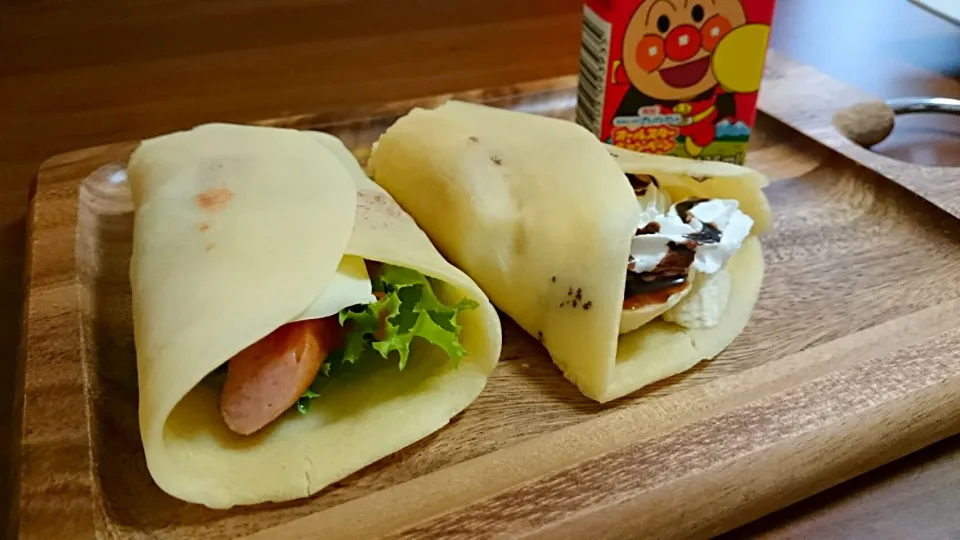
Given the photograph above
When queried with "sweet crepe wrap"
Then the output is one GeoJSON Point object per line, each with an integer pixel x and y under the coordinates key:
{"type": "Point", "coordinates": [238, 231]}
{"type": "Point", "coordinates": [541, 215]}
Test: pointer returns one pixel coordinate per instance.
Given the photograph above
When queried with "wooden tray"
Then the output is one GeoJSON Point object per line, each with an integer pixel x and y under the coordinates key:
{"type": "Point", "coordinates": [851, 359]}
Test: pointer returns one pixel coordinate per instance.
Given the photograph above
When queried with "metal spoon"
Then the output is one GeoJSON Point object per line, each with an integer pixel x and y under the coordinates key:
{"type": "Point", "coordinates": [871, 122]}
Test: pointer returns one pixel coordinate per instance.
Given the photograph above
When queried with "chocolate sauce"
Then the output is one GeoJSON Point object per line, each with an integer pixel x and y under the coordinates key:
{"type": "Point", "coordinates": [684, 207]}
{"type": "Point", "coordinates": [709, 234]}
{"type": "Point", "coordinates": [645, 283]}
{"type": "Point", "coordinates": [667, 279]}
{"type": "Point", "coordinates": [650, 228]}
{"type": "Point", "coordinates": [642, 291]}
{"type": "Point", "coordinates": [641, 181]}
{"type": "Point", "coordinates": [678, 259]}
{"type": "Point", "coordinates": [670, 275]}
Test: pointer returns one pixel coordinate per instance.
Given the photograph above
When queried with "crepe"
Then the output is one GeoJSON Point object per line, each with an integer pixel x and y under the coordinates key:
{"type": "Point", "coordinates": [541, 215]}
{"type": "Point", "coordinates": [239, 230]}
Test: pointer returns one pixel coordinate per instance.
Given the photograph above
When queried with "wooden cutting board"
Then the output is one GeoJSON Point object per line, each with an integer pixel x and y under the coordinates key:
{"type": "Point", "coordinates": [851, 359]}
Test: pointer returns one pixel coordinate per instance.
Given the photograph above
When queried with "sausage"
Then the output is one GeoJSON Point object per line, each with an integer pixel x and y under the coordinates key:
{"type": "Point", "coordinates": [268, 377]}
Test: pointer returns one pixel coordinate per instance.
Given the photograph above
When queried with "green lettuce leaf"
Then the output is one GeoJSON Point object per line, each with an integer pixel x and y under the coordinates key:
{"type": "Point", "coordinates": [416, 312]}
{"type": "Point", "coordinates": [323, 376]}
{"type": "Point", "coordinates": [303, 404]}
{"type": "Point", "coordinates": [406, 308]}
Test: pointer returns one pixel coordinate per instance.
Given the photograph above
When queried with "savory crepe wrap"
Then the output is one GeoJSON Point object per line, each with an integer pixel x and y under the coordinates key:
{"type": "Point", "coordinates": [543, 216]}
{"type": "Point", "coordinates": [292, 323]}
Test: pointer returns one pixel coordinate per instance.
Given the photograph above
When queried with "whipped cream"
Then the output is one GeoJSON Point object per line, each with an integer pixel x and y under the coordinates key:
{"type": "Point", "coordinates": [714, 229]}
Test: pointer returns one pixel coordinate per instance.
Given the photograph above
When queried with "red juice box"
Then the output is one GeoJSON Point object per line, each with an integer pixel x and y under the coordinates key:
{"type": "Point", "coordinates": [677, 77]}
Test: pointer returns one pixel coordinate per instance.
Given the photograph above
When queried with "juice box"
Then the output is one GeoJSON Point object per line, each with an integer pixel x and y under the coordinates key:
{"type": "Point", "coordinates": [677, 77]}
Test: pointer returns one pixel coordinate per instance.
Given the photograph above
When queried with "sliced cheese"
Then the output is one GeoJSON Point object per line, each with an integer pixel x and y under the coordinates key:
{"type": "Point", "coordinates": [349, 286]}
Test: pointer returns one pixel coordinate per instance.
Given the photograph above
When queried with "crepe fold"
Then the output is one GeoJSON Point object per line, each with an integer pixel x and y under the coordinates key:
{"type": "Point", "coordinates": [238, 231]}
{"type": "Point", "coordinates": [541, 215]}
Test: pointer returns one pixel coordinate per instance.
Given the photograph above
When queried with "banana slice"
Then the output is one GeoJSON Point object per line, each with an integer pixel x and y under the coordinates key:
{"type": "Point", "coordinates": [705, 303]}
{"type": "Point", "coordinates": [648, 192]}
{"type": "Point", "coordinates": [650, 196]}
{"type": "Point", "coordinates": [631, 319]}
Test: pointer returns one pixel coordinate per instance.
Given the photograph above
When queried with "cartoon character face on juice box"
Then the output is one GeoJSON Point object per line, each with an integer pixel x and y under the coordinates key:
{"type": "Point", "coordinates": [676, 77]}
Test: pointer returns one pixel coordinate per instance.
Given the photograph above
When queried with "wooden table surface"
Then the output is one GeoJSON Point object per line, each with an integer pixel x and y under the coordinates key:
{"type": "Point", "coordinates": [87, 72]}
